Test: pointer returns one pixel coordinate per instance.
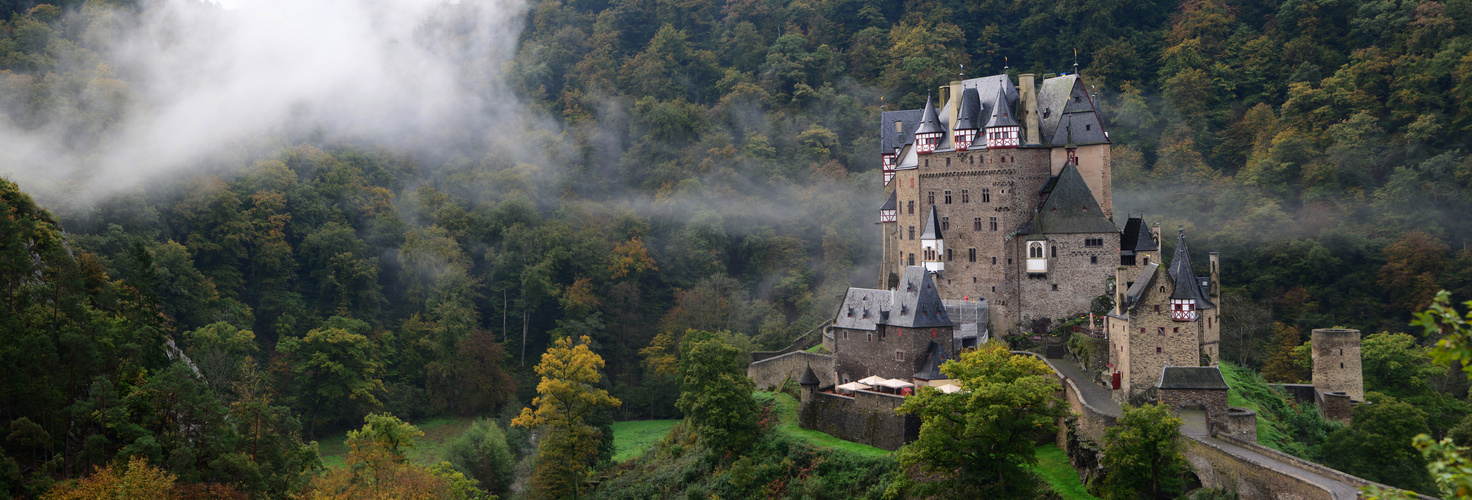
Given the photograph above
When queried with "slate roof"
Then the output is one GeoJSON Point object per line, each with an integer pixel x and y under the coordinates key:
{"type": "Point", "coordinates": [1055, 102]}
{"type": "Point", "coordinates": [1001, 112]}
{"type": "Point", "coordinates": [863, 308]}
{"type": "Point", "coordinates": [935, 356]}
{"type": "Point", "coordinates": [932, 226]}
{"type": "Point", "coordinates": [1141, 286]}
{"type": "Point", "coordinates": [918, 302]}
{"type": "Point", "coordinates": [969, 118]}
{"type": "Point", "coordinates": [889, 139]}
{"type": "Point", "coordinates": [892, 203]}
{"type": "Point", "coordinates": [914, 304]}
{"type": "Point", "coordinates": [929, 122]}
{"type": "Point", "coordinates": [808, 377]}
{"type": "Point", "coordinates": [1069, 208]}
{"type": "Point", "coordinates": [1187, 287]}
{"type": "Point", "coordinates": [1191, 377]}
{"type": "Point", "coordinates": [1136, 237]}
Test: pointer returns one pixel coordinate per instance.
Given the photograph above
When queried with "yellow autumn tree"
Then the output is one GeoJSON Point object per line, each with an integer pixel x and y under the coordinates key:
{"type": "Point", "coordinates": [566, 399]}
{"type": "Point", "coordinates": [377, 467]}
{"type": "Point", "coordinates": [137, 481]}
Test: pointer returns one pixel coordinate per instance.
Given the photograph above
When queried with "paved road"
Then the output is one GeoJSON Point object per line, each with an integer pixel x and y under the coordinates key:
{"type": "Point", "coordinates": [1093, 394]}
{"type": "Point", "coordinates": [1339, 489]}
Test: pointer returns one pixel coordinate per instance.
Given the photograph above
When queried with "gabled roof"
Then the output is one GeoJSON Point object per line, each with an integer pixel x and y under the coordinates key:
{"type": "Point", "coordinates": [1070, 208]}
{"type": "Point", "coordinates": [930, 368]}
{"type": "Point", "coordinates": [1055, 102]}
{"type": "Point", "coordinates": [1137, 291]}
{"type": "Point", "coordinates": [914, 304]}
{"type": "Point", "coordinates": [932, 226]}
{"type": "Point", "coordinates": [1192, 377]}
{"type": "Point", "coordinates": [1136, 237]}
{"type": "Point", "coordinates": [1001, 113]}
{"type": "Point", "coordinates": [929, 121]}
{"type": "Point", "coordinates": [862, 308]}
{"type": "Point", "coordinates": [889, 138]}
{"type": "Point", "coordinates": [892, 203]}
{"type": "Point", "coordinates": [917, 303]}
{"type": "Point", "coordinates": [969, 118]}
{"type": "Point", "coordinates": [1187, 287]}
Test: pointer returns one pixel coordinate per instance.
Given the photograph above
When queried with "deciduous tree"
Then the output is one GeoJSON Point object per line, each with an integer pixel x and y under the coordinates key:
{"type": "Point", "coordinates": [561, 413]}
{"type": "Point", "coordinates": [1142, 454]}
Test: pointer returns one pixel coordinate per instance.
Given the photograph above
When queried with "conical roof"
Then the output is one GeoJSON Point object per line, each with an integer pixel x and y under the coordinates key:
{"type": "Point", "coordinates": [970, 116]}
{"type": "Point", "coordinates": [929, 121]}
{"type": "Point", "coordinates": [930, 369]}
{"type": "Point", "coordinates": [808, 377]}
{"type": "Point", "coordinates": [1001, 113]}
{"type": "Point", "coordinates": [932, 226]}
{"type": "Point", "coordinates": [1187, 287]}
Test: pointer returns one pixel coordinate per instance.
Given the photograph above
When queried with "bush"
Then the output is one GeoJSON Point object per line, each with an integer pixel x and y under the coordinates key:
{"type": "Point", "coordinates": [482, 454]}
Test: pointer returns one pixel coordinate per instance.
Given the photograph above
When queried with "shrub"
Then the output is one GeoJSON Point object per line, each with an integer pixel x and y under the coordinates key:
{"type": "Point", "coordinates": [481, 453]}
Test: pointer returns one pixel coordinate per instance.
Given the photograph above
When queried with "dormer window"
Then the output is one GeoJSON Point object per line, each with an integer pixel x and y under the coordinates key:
{"type": "Point", "coordinates": [904, 310]}
{"type": "Point", "coordinates": [850, 312]}
{"type": "Point", "coordinates": [1037, 261]}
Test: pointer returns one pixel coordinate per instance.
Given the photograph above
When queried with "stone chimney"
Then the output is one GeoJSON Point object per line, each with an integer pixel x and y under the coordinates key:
{"type": "Point", "coordinates": [954, 104]}
{"type": "Point", "coordinates": [1216, 291]}
{"type": "Point", "coordinates": [1155, 233]}
{"type": "Point", "coordinates": [1027, 105]}
{"type": "Point", "coordinates": [1120, 289]}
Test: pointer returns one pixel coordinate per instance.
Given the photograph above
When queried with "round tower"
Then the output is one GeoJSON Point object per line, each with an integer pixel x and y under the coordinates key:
{"type": "Point", "coordinates": [1336, 358]}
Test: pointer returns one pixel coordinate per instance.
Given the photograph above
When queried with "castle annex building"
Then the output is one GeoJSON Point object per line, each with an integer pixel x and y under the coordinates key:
{"type": "Point", "coordinates": [1002, 193]}
{"type": "Point", "coordinates": [1162, 317]}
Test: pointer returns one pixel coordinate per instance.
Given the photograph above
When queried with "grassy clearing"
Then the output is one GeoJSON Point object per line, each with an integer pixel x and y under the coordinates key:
{"type": "Point", "coordinates": [1055, 470]}
{"type": "Point", "coordinates": [632, 438]}
{"type": "Point", "coordinates": [786, 408]}
{"type": "Point", "coordinates": [427, 450]}
{"type": "Point", "coordinates": [1249, 390]}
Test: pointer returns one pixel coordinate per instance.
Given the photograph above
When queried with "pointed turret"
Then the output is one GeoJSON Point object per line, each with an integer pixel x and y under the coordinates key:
{"type": "Point", "coordinates": [1001, 128]}
{"type": "Point", "coordinates": [1188, 296]}
{"type": "Point", "coordinates": [968, 120]}
{"type": "Point", "coordinates": [932, 242]}
{"type": "Point", "coordinates": [930, 131]}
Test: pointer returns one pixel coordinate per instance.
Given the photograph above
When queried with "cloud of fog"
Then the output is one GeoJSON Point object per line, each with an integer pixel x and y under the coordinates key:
{"type": "Point", "coordinates": [205, 80]}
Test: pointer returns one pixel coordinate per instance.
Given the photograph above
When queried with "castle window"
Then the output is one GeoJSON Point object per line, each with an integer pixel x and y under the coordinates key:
{"type": "Point", "coordinates": [994, 223]}
{"type": "Point", "coordinates": [1142, 330]}
{"type": "Point", "coordinates": [948, 161]}
{"type": "Point", "coordinates": [1055, 287]}
{"type": "Point", "coordinates": [850, 312]}
{"type": "Point", "coordinates": [912, 206]}
{"type": "Point", "coordinates": [1093, 259]}
{"type": "Point", "coordinates": [986, 195]}
{"type": "Point", "coordinates": [845, 335]}
{"type": "Point", "coordinates": [976, 224]}
{"type": "Point", "coordinates": [912, 258]}
{"type": "Point", "coordinates": [994, 288]}
{"type": "Point", "coordinates": [930, 197]}
{"type": "Point", "coordinates": [870, 337]}
{"type": "Point", "coordinates": [948, 197]}
{"type": "Point", "coordinates": [945, 222]}
{"type": "Point", "coordinates": [949, 255]}
{"type": "Point", "coordinates": [1093, 242]}
{"type": "Point", "coordinates": [1035, 251]}
{"type": "Point", "coordinates": [899, 355]}
{"type": "Point", "coordinates": [1175, 330]}
{"type": "Point", "coordinates": [1157, 307]}
{"type": "Point", "coordinates": [898, 126]}
{"type": "Point", "coordinates": [965, 196]}
{"type": "Point", "coordinates": [1160, 330]}
{"type": "Point", "coordinates": [1341, 365]}
{"type": "Point", "coordinates": [994, 262]}
{"type": "Point", "coordinates": [972, 251]}
{"type": "Point", "coordinates": [1055, 251]}
{"type": "Point", "coordinates": [904, 310]}
{"type": "Point", "coordinates": [1157, 350]}
{"type": "Point", "coordinates": [1078, 99]}
{"type": "Point", "coordinates": [912, 232]}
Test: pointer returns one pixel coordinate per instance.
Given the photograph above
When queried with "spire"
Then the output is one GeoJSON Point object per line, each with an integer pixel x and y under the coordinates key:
{"type": "Point", "coordinates": [808, 377]}
{"type": "Point", "coordinates": [932, 226]}
{"type": "Point", "coordinates": [1001, 113]}
{"type": "Point", "coordinates": [1180, 272]}
{"type": "Point", "coordinates": [969, 115]}
{"type": "Point", "coordinates": [929, 122]}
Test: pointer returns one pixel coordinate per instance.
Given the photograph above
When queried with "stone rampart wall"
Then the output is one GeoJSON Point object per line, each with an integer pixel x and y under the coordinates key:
{"type": "Point", "coordinates": [866, 417]}
{"type": "Point", "coordinates": [771, 372]}
{"type": "Point", "coordinates": [1222, 470]}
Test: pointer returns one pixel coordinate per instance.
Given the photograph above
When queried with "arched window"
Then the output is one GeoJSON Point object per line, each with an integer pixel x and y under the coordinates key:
{"type": "Point", "coordinates": [1035, 250]}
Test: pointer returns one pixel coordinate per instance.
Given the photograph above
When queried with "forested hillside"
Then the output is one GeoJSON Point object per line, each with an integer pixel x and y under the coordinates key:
{"type": "Point", "coordinates": [630, 170]}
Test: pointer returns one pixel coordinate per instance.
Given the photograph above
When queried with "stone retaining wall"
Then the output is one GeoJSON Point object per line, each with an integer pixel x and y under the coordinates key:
{"type": "Point", "coordinates": [866, 417]}
{"type": "Point", "coordinates": [770, 372]}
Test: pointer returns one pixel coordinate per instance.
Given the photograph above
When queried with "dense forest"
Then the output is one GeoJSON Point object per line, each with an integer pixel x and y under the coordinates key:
{"type": "Point", "coordinates": [676, 165]}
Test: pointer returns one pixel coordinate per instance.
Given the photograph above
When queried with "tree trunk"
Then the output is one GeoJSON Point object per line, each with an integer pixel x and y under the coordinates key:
{"type": "Point", "coordinates": [523, 335]}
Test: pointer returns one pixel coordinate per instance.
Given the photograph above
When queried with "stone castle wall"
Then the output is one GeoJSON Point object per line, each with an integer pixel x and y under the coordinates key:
{"type": "Point", "coordinates": [1074, 277]}
{"type": "Point", "coordinates": [861, 353]}
{"type": "Point", "coordinates": [770, 372]}
{"type": "Point", "coordinates": [866, 417]}
{"type": "Point", "coordinates": [1214, 401]}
